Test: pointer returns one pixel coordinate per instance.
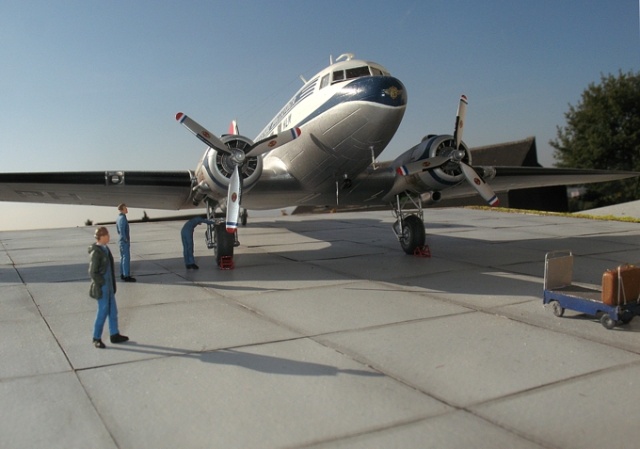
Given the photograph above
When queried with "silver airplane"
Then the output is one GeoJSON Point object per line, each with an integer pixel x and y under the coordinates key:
{"type": "Point", "coordinates": [321, 149]}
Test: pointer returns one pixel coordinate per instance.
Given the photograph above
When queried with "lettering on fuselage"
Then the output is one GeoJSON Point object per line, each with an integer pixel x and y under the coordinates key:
{"type": "Point", "coordinates": [283, 119]}
{"type": "Point", "coordinates": [31, 194]}
{"type": "Point", "coordinates": [285, 123]}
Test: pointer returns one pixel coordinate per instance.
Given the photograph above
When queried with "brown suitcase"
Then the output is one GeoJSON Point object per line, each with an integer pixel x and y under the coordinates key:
{"type": "Point", "coordinates": [627, 292]}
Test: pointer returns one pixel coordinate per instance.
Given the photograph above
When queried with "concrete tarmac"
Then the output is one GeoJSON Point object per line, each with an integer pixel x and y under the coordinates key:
{"type": "Point", "coordinates": [325, 335]}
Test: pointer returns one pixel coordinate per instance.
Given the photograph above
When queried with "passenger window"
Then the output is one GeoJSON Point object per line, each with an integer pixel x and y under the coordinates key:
{"type": "Point", "coordinates": [325, 81]}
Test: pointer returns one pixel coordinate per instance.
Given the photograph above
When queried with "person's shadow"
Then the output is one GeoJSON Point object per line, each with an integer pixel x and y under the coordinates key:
{"type": "Point", "coordinates": [256, 362]}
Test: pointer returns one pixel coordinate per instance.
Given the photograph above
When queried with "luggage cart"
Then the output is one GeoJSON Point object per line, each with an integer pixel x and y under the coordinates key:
{"type": "Point", "coordinates": [617, 305]}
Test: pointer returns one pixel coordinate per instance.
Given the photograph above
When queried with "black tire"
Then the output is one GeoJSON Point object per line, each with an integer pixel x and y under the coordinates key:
{"type": "Point", "coordinates": [626, 317]}
{"type": "Point", "coordinates": [224, 242]}
{"type": "Point", "coordinates": [557, 309]}
{"type": "Point", "coordinates": [413, 234]}
{"type": "Point", "coordinates": [607, 321]}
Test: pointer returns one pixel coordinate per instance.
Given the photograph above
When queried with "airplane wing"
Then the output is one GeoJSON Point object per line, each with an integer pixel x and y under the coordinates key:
{"type": "Point", "coordinates": [172, 190]}
{"type": "Point", "coordinates": [513, 178]}
{"type": "Point", "coordinates": [372, 187]}
{"type": "Point", "coordinates": [169, 190]}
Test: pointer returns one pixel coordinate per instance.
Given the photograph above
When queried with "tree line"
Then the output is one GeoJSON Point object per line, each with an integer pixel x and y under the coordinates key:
{"type": "Point", "coordinates": [603, 132]}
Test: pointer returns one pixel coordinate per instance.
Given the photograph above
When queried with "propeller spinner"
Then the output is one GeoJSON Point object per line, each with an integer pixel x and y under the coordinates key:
{"type": "Point", "coordinates": [238, 158]}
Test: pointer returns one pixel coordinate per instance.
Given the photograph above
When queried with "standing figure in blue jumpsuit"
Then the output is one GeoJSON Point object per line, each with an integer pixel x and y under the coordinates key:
{"type": "Point", "coordinates": [122, 226]}
{"type": "Point", "coordinates": [103, 288]}
{"type": "Point", "coordinates": [187, 241]}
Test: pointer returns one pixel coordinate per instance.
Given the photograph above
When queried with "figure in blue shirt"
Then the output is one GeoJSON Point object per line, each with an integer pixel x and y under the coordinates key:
{"type": "Point", "coordinates": [122, 226]}
{"type": "Point", "coordinates": [187, 241]}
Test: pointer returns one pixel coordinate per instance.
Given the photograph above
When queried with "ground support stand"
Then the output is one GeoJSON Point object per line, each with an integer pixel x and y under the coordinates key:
{"type": "Point", "coordinates": [226, 263]}
{"type": "Point", "coordinates": [422, 251]}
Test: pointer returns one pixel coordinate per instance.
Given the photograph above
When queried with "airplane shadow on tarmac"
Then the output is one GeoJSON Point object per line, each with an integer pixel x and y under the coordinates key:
{"type": "Point", "coordinates": [280, 255]}
{"type": "Point", "coordinates": [315, 249]}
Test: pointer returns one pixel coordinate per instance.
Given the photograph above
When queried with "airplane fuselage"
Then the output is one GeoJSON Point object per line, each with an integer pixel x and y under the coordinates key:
{"type": "Point", "coordinates": [319, 150]}
{"type": "Point", "coordinates": [348, 114]}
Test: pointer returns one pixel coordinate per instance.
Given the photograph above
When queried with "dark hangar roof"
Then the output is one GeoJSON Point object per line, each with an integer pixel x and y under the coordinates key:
{"type": "Point", "coordinates": [520, 153]}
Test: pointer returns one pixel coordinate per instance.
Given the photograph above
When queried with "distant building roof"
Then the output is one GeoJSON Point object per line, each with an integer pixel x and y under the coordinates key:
{"type": "Point", "coordinates": [515, 154]}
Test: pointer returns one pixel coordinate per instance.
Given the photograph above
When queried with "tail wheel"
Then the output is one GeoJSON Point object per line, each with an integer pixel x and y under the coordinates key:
{"type": "Point", "coordinates": [224, 242]}
{"type": "Point", "coordinates": [413, 234]}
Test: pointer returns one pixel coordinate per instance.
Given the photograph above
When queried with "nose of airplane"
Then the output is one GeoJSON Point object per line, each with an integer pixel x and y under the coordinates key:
{"type": "Point", "coordinates": [386, 90]}
{"type": "Point", "coordinates": [393, 89]}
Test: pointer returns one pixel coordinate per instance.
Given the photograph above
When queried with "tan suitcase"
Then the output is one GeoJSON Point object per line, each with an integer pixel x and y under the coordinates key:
{"type": "Point", "coordinates": [629, 290]}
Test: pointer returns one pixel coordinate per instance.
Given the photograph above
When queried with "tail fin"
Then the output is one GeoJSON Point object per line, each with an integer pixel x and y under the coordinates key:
{"type": "Point", "coordinates": [233, 128]}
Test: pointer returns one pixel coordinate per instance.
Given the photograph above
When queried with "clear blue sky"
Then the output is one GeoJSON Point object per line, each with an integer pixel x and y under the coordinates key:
{"type": "Point", "coordinates": [95, 85]}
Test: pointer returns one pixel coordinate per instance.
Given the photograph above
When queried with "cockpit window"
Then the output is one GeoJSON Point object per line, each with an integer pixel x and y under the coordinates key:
{"type": "Point", "coordinates": [357, 72]}
{"type": "Point", "coordinates": [324, 81]}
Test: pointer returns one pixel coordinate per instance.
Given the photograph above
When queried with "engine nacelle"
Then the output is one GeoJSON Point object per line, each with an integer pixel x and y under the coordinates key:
{"type": "Point", "coordinates": [214, 171]}
{"type": "Point", "coordinates": [441, 177]}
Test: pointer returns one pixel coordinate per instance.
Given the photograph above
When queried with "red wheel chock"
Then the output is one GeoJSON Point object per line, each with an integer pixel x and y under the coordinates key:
{"type": "Point", "coordinates": [422, 251]}
{"type": "Point", "coordinates": [226, 263]}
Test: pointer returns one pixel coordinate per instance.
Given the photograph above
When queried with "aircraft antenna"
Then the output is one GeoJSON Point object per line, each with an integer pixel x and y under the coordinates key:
{"type": "Point", "coordinates": [345, 57]}
{"type": "Point", "coordinates": [374, 163]}
{"type": "Point", "coordinates": [303, 80]}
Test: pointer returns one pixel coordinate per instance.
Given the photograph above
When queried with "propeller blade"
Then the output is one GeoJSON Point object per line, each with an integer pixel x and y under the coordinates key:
{"type": "Point", "coordinates": [233, 201]}
{"type": "Point", "coordinates": [273, 142]}
{"type": "Point", "coordinates": [201, 133]}
{"type": "Point", "coordinates": [478, 183]}
{"type": "Point", "coordinates": [460, 118]}
{"type": "Point", "coordinates": [420, 166]}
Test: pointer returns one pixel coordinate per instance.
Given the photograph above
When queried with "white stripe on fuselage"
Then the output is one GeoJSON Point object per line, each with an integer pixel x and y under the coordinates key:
{"type": "Point", "coordinates": [312, 96]}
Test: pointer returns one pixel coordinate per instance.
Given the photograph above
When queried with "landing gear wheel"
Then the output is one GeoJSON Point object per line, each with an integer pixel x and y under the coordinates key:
{"type": "Point", "coordinates": [557, 309]}
{"type": "Point", "coordinates": [413, 234]}
{"type": "Point", "coordinates": [607, 321]}
{"type": "Point", "coordinates": [224, 242]}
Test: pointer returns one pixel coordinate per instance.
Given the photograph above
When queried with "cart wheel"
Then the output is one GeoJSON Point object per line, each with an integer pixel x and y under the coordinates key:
{"type": "Point", "coordinates": [557, 309]}
{"type": "Point", "coordinates": [607, 321]}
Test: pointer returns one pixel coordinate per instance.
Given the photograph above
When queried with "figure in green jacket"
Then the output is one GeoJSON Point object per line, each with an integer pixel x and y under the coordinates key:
{"type": "Point", "coordinates": [103, 288]}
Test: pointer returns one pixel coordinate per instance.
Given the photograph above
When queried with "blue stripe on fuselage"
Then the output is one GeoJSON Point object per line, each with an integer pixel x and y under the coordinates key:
{"type": "Point", "coordinates": [384, 90]}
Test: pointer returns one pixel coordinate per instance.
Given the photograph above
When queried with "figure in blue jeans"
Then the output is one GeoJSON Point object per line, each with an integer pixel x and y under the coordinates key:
{"type": "Point", "coordinates": [187, 241]}
{"type": "Point", "coordinates": [103, 288]}
{"type": "Point", "coordinates": [122, 226]}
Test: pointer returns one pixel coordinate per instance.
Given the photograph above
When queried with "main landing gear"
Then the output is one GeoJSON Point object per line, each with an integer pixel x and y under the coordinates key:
{"type": "Point", "coordinates": [409, 227]}
{"type": "Point", "coordinates": [218, 239]}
